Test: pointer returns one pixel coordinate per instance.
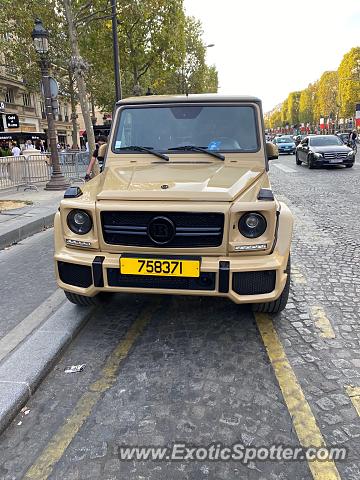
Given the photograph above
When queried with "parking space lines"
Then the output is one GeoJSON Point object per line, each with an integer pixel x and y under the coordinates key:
{"type": "Point", "coordinates": [53, 452]}
{"type": "Point", "coordinates": [322, 322]}
{"type": "Point", "coordinates": [303, 419]}
{"type": "Point", "coordinates": [354, 394]}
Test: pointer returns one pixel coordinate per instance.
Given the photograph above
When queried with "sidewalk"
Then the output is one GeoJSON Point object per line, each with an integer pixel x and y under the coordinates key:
{"type": "Point", "coordinates": [17, 224]}
{"type": "Point", "coordinates": [36, 321]}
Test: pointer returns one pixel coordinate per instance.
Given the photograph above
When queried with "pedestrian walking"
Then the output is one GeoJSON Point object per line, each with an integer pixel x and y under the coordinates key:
{"type": "Point", "coordinates": [15, 150]}
{"type": "Point", "coordinates": [352, 139]}
{"type": "Point", "coordinates": [97, 156]}
{"type": "Point", "coordinates": [39, 145]}
{"type": "Point", "coordinates": [102, 141]}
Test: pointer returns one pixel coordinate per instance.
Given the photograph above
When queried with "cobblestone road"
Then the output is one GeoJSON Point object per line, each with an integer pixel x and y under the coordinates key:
{"type": "Point", "coordinates": [196, 370]}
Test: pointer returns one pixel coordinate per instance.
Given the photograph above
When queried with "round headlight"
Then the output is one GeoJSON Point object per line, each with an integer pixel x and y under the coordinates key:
{"type": "Point", "coordinates": [252, 225]}
{"type": "Point", "coordinates": [79, 222]}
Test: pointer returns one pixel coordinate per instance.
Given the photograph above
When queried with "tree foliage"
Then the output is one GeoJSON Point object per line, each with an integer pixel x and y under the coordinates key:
{"type": "Point", "coordinates": [307, 102]}
{"type": "Point", "coordinates": [293, 107]}
{"type": "Point", "coordinates": [349, 82]}
{"type": "Point", "coordinates": [325, 104]}
{"type": "Point", "coordinates": [334, 95]}
{"type": "Point", "coordinates": [160, 48]}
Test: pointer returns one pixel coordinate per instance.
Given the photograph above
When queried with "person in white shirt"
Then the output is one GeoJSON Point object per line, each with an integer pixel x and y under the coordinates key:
{"type": "Point", "coordinates": [15, 150]}
{"type": "Point", "coordinates": [28, 145]}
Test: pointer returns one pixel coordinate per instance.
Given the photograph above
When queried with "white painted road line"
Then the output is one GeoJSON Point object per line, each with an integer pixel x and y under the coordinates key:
{"type": "Point", "coordinates": [284, 168]}
{"type": "Point", "coordinates": [32, 321]}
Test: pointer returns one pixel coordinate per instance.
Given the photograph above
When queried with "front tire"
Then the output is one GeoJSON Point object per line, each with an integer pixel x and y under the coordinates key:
{"type": "Point", "coordinates": [310, 163]}
{"type": "Point", "coordinates": [349, 166]}
{"type": "Point", "coordinates": [298, 162]}
{"type": "Point", "coordinates": [277, 305]}
{"type": "Point", "coordinates": [81, 299]}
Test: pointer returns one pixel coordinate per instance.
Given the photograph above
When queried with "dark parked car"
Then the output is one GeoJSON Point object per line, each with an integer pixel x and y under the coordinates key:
{"type": "Point", "coordinates": [320, 150]}
{"type": "Point", "coordinates": [285, 144]}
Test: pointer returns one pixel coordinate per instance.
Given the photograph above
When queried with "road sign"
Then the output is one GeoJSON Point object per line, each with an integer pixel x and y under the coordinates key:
{"type": "Point", "coordinates": [12, 120]}
{"type": "Point", "coordinates": [54, 87]}
{"type": "Point", "coordinates": [2, 107]}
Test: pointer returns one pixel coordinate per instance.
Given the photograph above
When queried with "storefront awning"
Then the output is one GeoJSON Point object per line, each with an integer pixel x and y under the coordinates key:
{"type": "Point", "coordinates": [22, 136]}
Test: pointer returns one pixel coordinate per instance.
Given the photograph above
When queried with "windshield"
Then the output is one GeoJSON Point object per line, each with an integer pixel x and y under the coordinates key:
{"type": "Point", "coordinates": [284, 140]}
{"type": "Point", "coordinates": [325, 141]}
{"type": "Point", "coordinates": [219, 128]}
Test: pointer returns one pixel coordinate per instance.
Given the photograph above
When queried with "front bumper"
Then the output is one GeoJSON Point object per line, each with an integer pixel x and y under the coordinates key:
{"type": "Point", "coordinates": [250, 279]}
{"type": "Point", "coordinates": [323, 162]}
{"type": "Point", "coordinates": [242, 277]}
{"type": "Point", "coordinates": [287, 150]}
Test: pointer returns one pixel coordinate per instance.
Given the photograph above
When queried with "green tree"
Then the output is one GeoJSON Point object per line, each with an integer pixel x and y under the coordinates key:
{"type": "Point", "coordinates": [306, 103]}
{"type": "Point", "coordinates": [16, 45]}
{"type": "Point", "coordinates": [326, 98]}
{"type": "Point", "coordinates": [349, 82]}
{"type": "Point", "coordinates": [284, 113]}
{"type": "Point", "coordinates": [293, 107]}
{"type": "Point", "coordinates": [160, 47]}
{"type": "Point", "coordinates": [275, 119]}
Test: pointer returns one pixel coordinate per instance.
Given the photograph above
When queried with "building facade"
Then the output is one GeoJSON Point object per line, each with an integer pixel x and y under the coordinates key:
{"type": "Point", "coordinates": [22, 116]}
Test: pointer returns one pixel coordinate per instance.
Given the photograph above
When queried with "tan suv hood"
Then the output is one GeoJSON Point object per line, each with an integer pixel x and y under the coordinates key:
{"type": "Point", "coordinates": [205, 181]}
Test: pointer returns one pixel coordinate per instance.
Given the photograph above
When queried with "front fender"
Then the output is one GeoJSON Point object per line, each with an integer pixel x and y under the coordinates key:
{"type": "Point", "coordinates": [285, 229]}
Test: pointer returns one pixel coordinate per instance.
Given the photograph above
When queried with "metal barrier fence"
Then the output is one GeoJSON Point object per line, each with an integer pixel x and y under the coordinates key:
{"type": "Point", "coordinates": [28, 171]}
{"type": "Point", "coordinates": [74, 165]}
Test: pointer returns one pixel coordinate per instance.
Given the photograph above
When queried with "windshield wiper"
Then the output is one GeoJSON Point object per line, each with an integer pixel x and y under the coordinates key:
{"type": "Point", "coordinates": [194, 148]}
{"type": "Point", "coordinates": [137, 148]}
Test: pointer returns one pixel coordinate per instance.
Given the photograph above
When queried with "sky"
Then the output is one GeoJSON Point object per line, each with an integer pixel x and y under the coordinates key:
{"type": "Point", "coordinates": [271, 48]}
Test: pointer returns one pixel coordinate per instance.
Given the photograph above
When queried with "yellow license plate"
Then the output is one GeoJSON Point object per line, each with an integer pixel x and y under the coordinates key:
{"type": "Point", "coordinates": [159, 267]}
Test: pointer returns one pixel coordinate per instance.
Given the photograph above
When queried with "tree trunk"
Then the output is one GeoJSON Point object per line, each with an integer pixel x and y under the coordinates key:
{"type": "Point", "coordinates": [79, 67]}
{"type": "Point", "coordinates": [74, 133]}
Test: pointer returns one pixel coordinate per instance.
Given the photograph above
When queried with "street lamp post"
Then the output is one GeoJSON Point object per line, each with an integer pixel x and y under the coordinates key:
{"type": "Point", "coordinates": [41, 42]}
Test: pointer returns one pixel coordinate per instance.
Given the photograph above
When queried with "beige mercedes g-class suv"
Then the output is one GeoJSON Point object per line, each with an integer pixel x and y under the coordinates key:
{"type": "Point", "coordinates": [183, 206]}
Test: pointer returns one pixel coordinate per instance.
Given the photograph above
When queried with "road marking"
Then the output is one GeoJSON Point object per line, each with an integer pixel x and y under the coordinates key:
{"type": "Point", "coordinates": [354, 394]}
{"type": "Point", "coordinates": [52, 453]}
{"type": "Point", "coordinates": [284, 168]}
{"type": "Point", "coordinates": [303, 419]}
{"type": "Point", "coordinates": [322, 322]}
{"type": "Point", "coordinates": [12, 339]}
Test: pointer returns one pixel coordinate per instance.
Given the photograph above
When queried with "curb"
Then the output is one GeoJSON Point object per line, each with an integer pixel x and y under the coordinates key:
{"type": "Point", "coordinates": [24, 369]}
{"type": "Point", "coordinates": [24, 230]}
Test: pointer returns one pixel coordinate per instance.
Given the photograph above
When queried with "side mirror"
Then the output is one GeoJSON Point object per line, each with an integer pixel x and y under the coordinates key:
{"type": "Point", "coordinates": [272, 151]}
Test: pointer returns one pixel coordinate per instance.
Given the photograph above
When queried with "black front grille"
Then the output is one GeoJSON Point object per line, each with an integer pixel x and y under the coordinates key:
{"type": "Point", "coordinates": [77, 275]}
{"type": "Point", "coordinates": [206, 281]}
{"type": "Point", "coordinates": [254, 283]}
{"type": "Point", "coordinates": [191, 229]}
{"type": "Point", "coordinates": [333, 155]}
